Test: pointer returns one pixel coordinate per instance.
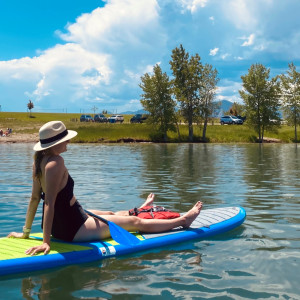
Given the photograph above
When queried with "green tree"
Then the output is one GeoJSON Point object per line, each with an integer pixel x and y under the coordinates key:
{"type": "Point", "coordinates": [30, 106]}
{"type": "Point", "coordinates": [237, 109]}
{"type": "Point", "coordinates": [157, 100]}
{"type": "Point", "coordinates": [208, 81]}
{"type": "Point", "coordinates": [290, 88]}
{"type": "Point", "coordinates": [187, 72]}
{"type": "Point", "coordinates": [261, 97]}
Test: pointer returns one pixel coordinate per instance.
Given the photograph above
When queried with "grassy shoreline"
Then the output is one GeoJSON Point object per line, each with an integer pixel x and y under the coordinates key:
{"type": "Point", "coordinates": [23, 124]}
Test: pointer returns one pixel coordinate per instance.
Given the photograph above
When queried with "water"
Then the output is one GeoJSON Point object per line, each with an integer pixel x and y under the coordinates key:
{"type": "Point", "coordinates": [258, 260]}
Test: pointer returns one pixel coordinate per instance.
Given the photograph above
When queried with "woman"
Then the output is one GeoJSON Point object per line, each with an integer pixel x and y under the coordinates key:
{"type": "Point", "coordinates": [63, 216]}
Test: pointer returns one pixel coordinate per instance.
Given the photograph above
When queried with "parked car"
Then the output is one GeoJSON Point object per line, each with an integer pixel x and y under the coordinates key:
{"type": "Point", "coordinates": [242, 118]}
{"type": "Point", "coordinates": [230, 120]}
{"type": "Point", "coordinates": [100, 118]}
{"type": "Point", "coordinates": [116, 118]}
{"type": "Point", "coordinates": [86, 118]}
{"type": "Point", "coordinates": [138, 118]}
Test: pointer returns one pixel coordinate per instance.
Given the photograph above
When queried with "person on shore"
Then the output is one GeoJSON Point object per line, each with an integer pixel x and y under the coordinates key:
{"type": "Point", "coordinates": [6, 133]}
{"type": "Point", "coordinates": [63, 216]}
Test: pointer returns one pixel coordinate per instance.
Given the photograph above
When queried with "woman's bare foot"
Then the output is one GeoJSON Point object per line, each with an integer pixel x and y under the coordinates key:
{"type": "Point", "coordinates": [149, 200]}
{"type": "Point", "coordinates": [192, 214]}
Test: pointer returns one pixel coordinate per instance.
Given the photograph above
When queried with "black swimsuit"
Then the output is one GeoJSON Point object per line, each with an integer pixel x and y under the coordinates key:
{"type": "Point", "coordinates": [67, 219]}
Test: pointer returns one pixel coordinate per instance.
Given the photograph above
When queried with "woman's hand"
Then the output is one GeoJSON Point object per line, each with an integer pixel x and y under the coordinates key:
{"type": "Point", "coordinates": [19, 235]}
{"type": "Point", "coordinates": [45, 247]}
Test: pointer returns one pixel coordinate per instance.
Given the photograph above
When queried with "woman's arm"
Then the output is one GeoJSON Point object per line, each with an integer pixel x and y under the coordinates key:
{"type": "Point", "coordinates": [33, 205]}
{"type": "Point", "coordinates": [54, 171]}
{"type": "Point", "coordinates": [31, 210]}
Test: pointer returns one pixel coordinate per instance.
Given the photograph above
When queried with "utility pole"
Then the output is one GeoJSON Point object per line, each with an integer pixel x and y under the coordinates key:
{"type": "Point", "coordinates": [94, 108]}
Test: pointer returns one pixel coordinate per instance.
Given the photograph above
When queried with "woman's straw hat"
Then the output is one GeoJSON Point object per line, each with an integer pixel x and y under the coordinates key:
{"type": "Point", "coordinates": [53, 133]}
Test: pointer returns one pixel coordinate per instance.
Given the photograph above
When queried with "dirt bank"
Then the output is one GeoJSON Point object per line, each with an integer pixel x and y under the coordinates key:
{"type": "Point", "coordinates": [19, 138]}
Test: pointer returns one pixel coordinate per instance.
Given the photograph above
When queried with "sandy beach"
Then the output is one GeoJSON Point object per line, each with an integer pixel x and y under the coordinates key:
{"type": "Point", "coordinates": [19, 138]}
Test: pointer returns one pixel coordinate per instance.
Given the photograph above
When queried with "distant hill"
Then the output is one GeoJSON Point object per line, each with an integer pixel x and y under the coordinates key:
{"type": "Point", "coordinates": [141, 111]}
{"type": "Point", "coordinates": [224, 107]}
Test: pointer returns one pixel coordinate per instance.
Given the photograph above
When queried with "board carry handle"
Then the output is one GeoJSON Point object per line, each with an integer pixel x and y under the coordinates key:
{"type": "Point", "coordinates": [119, 234]}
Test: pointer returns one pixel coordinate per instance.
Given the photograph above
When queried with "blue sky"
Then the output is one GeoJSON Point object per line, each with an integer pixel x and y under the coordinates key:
{"type": "Point", "coordinates": [75, 55]}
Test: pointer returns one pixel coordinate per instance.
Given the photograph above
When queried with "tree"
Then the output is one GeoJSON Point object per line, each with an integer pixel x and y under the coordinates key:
{"type": "Point", "coordinates": [187, 72]}
{"type": "Point", "coordinates": [261, 97]}
{"type": "Point", "coordinates": [237, 109]}
{"type": "Point", "coordinates": [290, 88]}
{"type": "Point", "coordinates": [30, 106]}
{"type": "Point", "coordinates": [207, 91]}
{"type": "Point", "coordinates": [157, 100]}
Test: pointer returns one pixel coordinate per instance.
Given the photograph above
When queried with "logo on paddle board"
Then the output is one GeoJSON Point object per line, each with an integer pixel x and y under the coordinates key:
{"type": "Point", "coordinates": [108, 251]}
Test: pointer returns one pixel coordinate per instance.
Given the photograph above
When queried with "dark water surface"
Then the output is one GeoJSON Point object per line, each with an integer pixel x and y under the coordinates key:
{"type": "Point", "coordinates": [258, 260]}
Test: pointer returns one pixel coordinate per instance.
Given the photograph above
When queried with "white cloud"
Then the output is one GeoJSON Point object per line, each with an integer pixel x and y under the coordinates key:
{"type": "Point", "coordinates": [248, 40]}
{"type": "Point", "coordinates": [149, 69]}
{"type": "Point", "coordinates": [228, 86]}
{"type": "Point", "coordinates": [242, 13]}
{"type": "Point", "coordinates": [231, 98]}
{"type": "Point", "coordinates": [229, 90]}
{"type": "Point", "coordinates": [104, 53]}
{"type": "Point", "coordinates": [132, 77]}
{"type": "Point", "coordinates": [61, 75]}
{"type": "Point", "coordinates": [214, 51]}
{"type": "Point", "coordinates": [116, 24]}
{"type": "Point", "coordinates": [192, 5]}
{"type": "Point", "coordinates": [260, 47]}
{"type": "Point", "coordinates": [41, 89]}
{"type": "Point", "coordinates": [225, 56]}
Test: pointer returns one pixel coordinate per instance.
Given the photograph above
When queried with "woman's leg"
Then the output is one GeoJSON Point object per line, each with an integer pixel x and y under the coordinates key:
{"type": "Point", "coordinates": [149, 201]}
{"type": "Point", "coordinates": [101, 212]}
{"type": "Point", "coordinates": [94, 229]}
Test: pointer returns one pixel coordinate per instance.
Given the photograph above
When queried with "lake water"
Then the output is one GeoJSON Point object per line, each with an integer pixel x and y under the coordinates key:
{"type": "Point", "coordinates": [258, 260]}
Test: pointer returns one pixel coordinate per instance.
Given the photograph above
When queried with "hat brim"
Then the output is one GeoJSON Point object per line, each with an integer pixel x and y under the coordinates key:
{"type": "Point", "coordinates": [39, 147]}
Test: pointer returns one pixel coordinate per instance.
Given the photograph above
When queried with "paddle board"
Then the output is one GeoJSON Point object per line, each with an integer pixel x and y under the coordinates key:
{"type": "Point", "coordinates": [13, 259]}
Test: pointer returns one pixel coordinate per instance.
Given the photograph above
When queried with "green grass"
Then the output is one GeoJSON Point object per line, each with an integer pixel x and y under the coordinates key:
{"type": "Point", "coordinates": [111, 132]}
{"type": "Point", "coordinates": [126, 132]}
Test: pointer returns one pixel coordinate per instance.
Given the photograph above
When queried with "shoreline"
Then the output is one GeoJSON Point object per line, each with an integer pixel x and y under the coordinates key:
{"type": "Point", "coordinates": [25, 130]}
{"type": "Point", "coordinates": [19, 138]}
{"type": "Point", "coordinates": [34, 138]}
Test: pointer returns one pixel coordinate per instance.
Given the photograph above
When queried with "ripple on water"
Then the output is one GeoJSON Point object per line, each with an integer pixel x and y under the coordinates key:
{"type": "Point", "coordinates": [258, 260]}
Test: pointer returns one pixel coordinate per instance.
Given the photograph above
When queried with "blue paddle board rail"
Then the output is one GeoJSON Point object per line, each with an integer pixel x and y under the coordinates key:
{"type": "Point", "coordinates": [185, 235]}
{"type": "Point", "coordinates": [209, 223]}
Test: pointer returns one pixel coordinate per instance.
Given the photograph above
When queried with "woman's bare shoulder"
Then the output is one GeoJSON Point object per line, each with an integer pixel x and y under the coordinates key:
{"type": "Point", "coordinates": [55, 162]}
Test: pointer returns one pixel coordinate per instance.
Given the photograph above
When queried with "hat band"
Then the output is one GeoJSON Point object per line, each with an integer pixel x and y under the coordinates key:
{"type": "Point", "coordinates": [54, 138]}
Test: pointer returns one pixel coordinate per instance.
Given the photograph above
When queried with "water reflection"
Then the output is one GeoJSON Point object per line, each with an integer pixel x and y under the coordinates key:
{"type": "Point", "coordinates": [179, 173]}
{"type": "Point", "coordinates": [272, 179]}
{"type": "Point", "coordinates": [106, 279]}
{"type": "Point", "coordinates": [258, 260]}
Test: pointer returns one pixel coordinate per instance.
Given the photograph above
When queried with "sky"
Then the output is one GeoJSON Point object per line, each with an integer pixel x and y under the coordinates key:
{"type": "Point", "coordinates": [81, 55]}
